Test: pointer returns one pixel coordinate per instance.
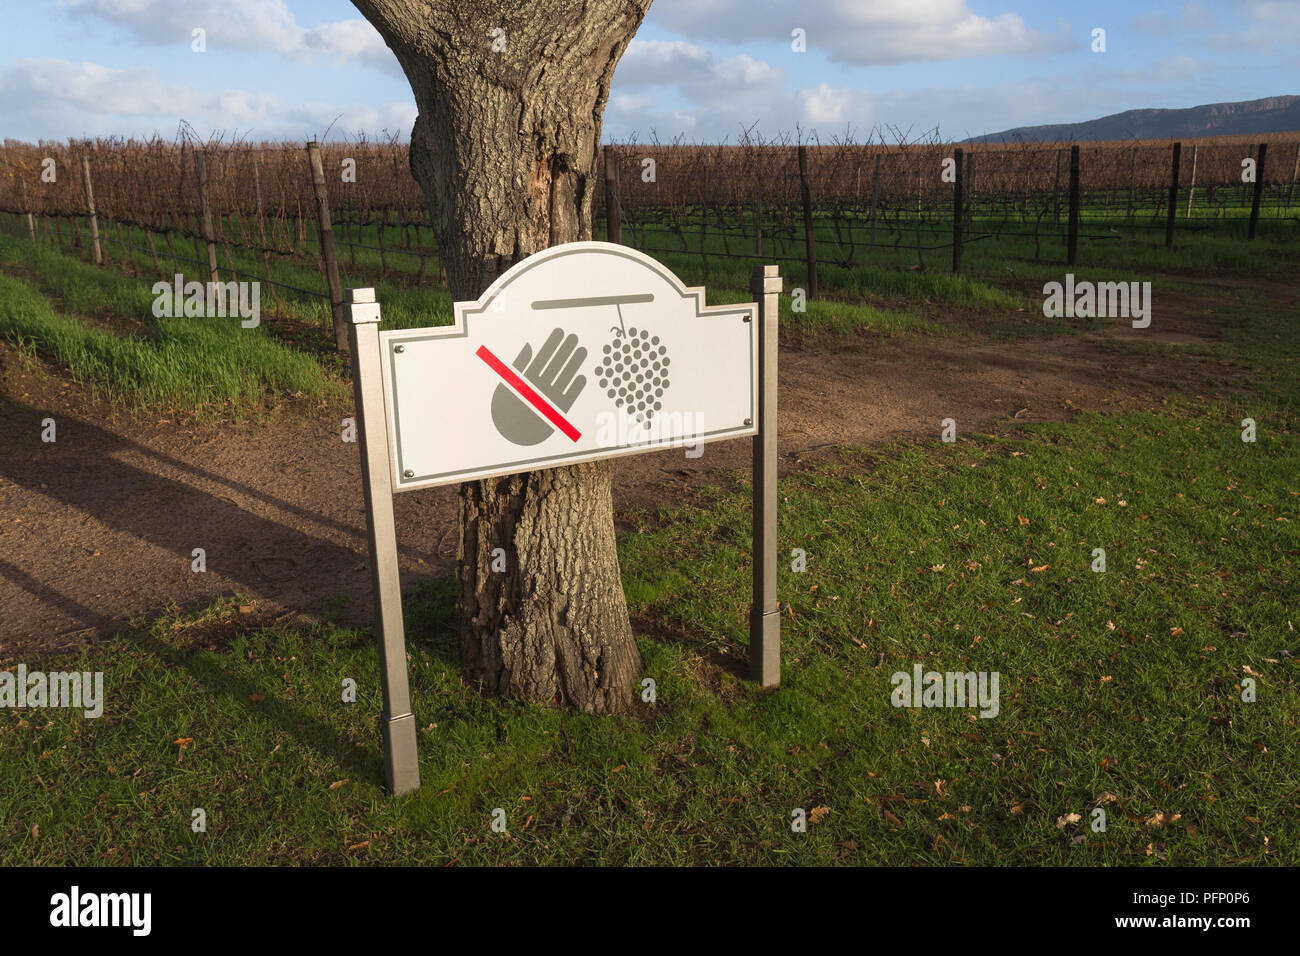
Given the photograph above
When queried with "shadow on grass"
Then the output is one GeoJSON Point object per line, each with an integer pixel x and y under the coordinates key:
{"type": "Point", "coordinates": [363, 761]}
{"type": "Point", "coordinates": [429, 618]}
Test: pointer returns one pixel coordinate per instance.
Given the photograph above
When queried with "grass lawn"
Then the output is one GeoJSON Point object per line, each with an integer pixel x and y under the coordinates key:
{"type": "Point", "coordinates": [1120, 690]}
{"type": "Point", "coordinates": [99, 326]}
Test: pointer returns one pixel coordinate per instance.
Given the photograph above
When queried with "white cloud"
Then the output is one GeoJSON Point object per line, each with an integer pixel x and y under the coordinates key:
{"type": "Point", "coordinates": [696, 72]}
{"type": "Point", "coordinates": [653, 62]}
{"type": "Point", "coordinates": [854, 31]}
{"type": "Point", "coordinates": [243, 25]}
{"type": "Point", "coordinates": [683, 87]}
{"type": "Point", "coordinates": [835, 106]}
{"type": "Point", "coordinates": [56, 99]}
{"type": "Point", "coordinates": [50, 83]}
{"type": "Point", "coordinates": [630, 104]}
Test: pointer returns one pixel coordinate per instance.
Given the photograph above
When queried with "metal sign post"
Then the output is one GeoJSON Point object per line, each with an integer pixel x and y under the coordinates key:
{"type": "Point", "coordinates": [765, 613]}
{"type": "Point", "coordinates": [580, 352]}
{"type": "Point", "coordinates": [401, 761]}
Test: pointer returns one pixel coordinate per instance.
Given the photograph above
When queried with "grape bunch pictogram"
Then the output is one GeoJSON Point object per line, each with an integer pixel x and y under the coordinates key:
{"type": "Point", "coordinates": [634, 373]}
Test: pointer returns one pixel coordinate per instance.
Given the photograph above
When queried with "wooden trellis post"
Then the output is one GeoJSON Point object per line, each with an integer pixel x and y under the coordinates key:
{"type": "Point", "coordinates": [27, 211]}
{"type": "Point", "coordinates": [205, 211]}
{"type": "Point", "coordinates": [875, 196]}
{"type": "Point", "coordinates": [1259, 191]}
{"type": "Point", "coordinates": [958, 212]}
{"type": "Point", "coordinates": [1072, 228]}
{"type": "Point", "coordinates": [97, 254]}
{"type": "Point", "coordinates": [1173, 196]}
{"type": "Point", "coordinates": [613, 221]}
{"type": "Point", "coordinates": [810, 239]}
{"type": "Point", "coordinates": [328, 253]}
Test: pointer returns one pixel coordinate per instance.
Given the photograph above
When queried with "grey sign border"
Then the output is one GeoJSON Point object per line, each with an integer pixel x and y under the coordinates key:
{"type": "Point", "coordinates": [460, 329]}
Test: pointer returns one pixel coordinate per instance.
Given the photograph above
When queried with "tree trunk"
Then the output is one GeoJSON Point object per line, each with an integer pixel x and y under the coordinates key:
{"type": "Point", "coordinates": [510, 96]}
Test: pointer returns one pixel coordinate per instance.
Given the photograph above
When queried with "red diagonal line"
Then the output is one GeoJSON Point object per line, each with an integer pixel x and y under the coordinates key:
{"type": "Point", "coordinates": [522, 387]}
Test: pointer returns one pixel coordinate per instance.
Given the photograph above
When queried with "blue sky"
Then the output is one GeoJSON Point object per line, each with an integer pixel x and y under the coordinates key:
{"type": "Point", "coordinates": [698, 69]}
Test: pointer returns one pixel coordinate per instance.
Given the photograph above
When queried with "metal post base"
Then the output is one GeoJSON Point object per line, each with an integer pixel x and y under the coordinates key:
{"type": "Point", "coordinates": [400, 763]}
{"type": "Point", "coordinates": [765, 648]}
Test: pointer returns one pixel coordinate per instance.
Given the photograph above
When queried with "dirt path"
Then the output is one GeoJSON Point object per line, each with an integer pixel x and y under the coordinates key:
{"type": "Point", "coordinates": [100, 525]}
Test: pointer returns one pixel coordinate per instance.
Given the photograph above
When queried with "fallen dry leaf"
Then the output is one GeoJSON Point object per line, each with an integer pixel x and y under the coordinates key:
{"type": "Point", "coordinates": [360, 846]}
{"type": "Point", "coordinates": [818, 814]}
{"type": "Point", "coordinates": [337, 783]}
{"type": "Point", "coordinates": [1159, 819]}
{"type": "Point", "coordinates": [1063, 821]}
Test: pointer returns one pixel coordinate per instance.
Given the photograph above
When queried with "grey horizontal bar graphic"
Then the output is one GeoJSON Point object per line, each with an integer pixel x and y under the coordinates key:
{"type": "Point", "coordinates": [592, 300]}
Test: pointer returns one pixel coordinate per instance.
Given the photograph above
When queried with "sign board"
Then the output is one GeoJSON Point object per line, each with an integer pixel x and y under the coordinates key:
{"type": "Point", "coordinates": [582, 351]}
{"type": "Point", "coordinates": [579, 352]}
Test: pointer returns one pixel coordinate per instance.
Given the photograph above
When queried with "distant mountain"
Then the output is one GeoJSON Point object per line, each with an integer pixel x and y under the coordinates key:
{"type": "Point", "coordinates": [1273, 114]}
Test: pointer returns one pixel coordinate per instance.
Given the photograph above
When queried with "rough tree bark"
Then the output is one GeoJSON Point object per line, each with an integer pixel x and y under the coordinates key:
{"type": "Point", "coordinates": [510, 96]}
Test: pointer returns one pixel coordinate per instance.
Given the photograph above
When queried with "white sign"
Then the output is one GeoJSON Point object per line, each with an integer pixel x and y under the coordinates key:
{"type": "Point", "coordinates": [582, 351]}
